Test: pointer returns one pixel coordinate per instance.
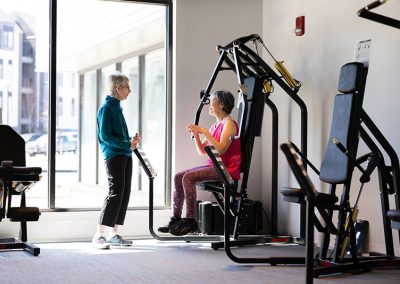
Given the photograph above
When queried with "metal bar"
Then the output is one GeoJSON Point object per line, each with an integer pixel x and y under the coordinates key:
{"type": "Point", "coordinates": [169, 106]}
{"type": "Point", "coordinates": [310, 240]}
{"type": "Point", "coordinates": [391, 153]}
{"type": "Point", "coordinates": [383, 194]}
{"type": "Point", "coordinates": [52, 106]}
{"type": "Point", "coordinates": [379, 18]}
{"type": "Point", "coordinates": [274, 166]}
{"type": "Point", "coordinates": [206, 93]}
{"type": "Point", "coordinates": [238, 65]}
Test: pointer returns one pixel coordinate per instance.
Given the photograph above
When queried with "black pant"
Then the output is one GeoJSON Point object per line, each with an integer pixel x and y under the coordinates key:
{"type": "Point", "coordinates": [119, 172]}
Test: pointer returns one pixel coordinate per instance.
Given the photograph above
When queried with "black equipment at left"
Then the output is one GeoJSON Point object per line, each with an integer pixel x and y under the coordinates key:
{"type": "Point", "coordinates": [15, 179]}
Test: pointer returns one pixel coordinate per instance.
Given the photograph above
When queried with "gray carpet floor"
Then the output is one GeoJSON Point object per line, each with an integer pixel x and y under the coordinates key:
{"type": "Point", "coordinates": [152, 261]}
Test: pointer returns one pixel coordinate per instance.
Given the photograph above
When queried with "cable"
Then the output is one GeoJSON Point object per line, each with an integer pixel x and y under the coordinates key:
{"type": "Point", "coordinates": [293, 83]}
{"type": "Point", "coordinates": [268, 223]}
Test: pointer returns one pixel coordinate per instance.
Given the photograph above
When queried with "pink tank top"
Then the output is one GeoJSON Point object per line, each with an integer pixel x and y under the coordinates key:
{"type": "Point", "coordinates": [233, 156]}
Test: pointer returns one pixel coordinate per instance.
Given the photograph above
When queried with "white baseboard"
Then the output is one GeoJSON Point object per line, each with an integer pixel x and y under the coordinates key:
{"type": "Point", "coordinates": [81, 226]}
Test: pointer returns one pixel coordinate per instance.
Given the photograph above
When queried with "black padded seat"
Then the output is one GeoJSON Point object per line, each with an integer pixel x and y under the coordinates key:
{"type": "Point", "coordinates": [15, 179]}
{"type": "Point", "coordinates": [394, 215]}
{"type": "Point", "coordinates": [293, 194]}
{"type": "Point", "coordinates": [214, 186]}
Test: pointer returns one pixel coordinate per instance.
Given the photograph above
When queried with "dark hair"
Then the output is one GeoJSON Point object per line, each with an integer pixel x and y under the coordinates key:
{"type": "Point", "coordinates": [226, 98]}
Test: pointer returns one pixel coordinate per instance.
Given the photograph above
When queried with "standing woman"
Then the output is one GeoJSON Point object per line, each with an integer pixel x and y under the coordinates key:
{"type": "Point", "coordinates": [221, 135]}
{"type": "Point", "coordinates": [116, 146]}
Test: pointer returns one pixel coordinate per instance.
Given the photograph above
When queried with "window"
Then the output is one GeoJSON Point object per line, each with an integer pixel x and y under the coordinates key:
{"type": "Point", "coordinates": [1, 69]}
{"type": "Point", "coordinates": [24, 106]}
{"type": "Point", "coordinates": [8, 37]}
{"type": "Point", "coordinates": [154, 118]}
{"type": "Point", "coordinates": [73, 107]}
{"type": "Point", "coordinates": [95, 52]}
{"type": "Point", "coordinates": [91, 43]}
{"type": "Point", "coordinates": [60, 106]}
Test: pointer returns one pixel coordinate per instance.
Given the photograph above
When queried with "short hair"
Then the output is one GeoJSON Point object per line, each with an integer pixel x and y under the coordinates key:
{"type": "Point", "coordinates": [226, 98]}
{"type": "Point", "coordinates": [117, 79]}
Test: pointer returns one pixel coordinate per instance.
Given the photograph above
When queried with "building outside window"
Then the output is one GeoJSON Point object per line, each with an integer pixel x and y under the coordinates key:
{"type": "Point", "coordinates": [8, 37]}
{"type": "Point", "coordinates": [1, 69]}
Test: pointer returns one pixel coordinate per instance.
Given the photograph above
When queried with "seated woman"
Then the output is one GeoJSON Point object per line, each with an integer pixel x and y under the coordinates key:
{"type": "Point", "coordinates": [221, 135]}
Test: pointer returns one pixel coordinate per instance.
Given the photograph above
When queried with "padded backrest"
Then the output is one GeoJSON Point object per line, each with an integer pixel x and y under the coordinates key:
{"type": "Point", "coordinates": [335, 167]}
{"type": "Point", "coordinates": [250, 120]}
{"type": "Point", "coordinates": [12, 146]}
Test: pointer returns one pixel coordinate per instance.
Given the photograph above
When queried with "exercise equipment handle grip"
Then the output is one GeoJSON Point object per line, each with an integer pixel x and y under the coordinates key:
{"type": "Point", "coordinates": [344, 151]}
{"type": "Point", "coordinates": [375, 4]}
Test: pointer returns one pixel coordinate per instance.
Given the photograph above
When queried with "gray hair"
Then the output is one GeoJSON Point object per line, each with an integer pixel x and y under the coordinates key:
{"type": "Point", "coordinates": [117, 79]}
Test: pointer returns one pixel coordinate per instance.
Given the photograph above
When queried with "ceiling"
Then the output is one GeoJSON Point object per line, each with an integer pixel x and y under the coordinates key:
{"type": "Point", "coordinates": [93, 33]}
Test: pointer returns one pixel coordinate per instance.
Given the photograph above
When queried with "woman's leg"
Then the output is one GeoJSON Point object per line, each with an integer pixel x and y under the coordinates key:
{"type": "Point", "coordinates": [199, 174]}
{"type": "Point", "coordinates": [179, 193]}
{"type": "Point", "coordinates": [177, 205]}
{"type": "Point", "coordinates": [126, 194]}
{"type": "Point", "coordinates": [115, 168]}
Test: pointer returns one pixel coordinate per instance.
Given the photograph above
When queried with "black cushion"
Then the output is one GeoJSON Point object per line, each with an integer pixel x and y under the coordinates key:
{"type": "Point", "coordinates": [210, 186]}
{"type": "Point", "coordinates": [215, 186]}
{"type": "Point", "coordinates": [320, 198]}
{"type": "Point", "coordinates": [18, 214]}
{"type": "Point", "coordinates": [334, 166]}
{"type": "Point", "coordinates": [350, 78]}
{"type": "Point", "coordinates": [394, 215]}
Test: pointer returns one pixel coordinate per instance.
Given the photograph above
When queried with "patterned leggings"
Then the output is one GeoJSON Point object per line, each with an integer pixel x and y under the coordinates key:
{"type": "Point", "coordinates": [185, 189]}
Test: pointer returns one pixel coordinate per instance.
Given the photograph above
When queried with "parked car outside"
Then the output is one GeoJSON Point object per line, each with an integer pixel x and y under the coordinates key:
{"type": "Point", "coordinates": [31, 136]}
{"type": "Point", "coordinates": [37, 144]}
{"type": "Point", "coordinates": [66, 141]}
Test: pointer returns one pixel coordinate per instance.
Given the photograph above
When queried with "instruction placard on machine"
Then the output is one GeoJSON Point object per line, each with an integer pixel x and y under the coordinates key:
{"type": "Point", "coordinates": [362, 51]}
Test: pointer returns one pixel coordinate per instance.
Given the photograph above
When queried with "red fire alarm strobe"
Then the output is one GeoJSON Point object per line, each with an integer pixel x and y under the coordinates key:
{"type": "Point", "coordinates": [299, 30]}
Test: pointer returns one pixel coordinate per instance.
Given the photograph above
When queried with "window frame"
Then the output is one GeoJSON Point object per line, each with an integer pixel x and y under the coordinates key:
{"type": "Point", "coordinates": [53, 104]}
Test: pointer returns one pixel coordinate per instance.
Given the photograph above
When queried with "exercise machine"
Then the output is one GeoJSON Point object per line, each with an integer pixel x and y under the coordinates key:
{"type": "Point", "coordinates": [255, 79]}
{"type": "Point", "coordinates": [350, 123]}
{"type": "Point", "coordinates": [366, 13]}
{"type": "Point", "coordinates": [16, 179]}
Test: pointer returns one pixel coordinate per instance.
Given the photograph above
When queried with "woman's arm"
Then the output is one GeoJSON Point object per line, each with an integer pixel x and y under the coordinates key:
{"type": "Point", "coordinates": [200, 144]}
{"type": "Point", "coordinates": [228, 132]}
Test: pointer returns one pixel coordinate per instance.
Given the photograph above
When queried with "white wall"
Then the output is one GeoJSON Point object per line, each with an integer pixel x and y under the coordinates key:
{"type": "Point", "coordinates": [331, 30]}
{"type": "Point", "coordinates": [199, 27]}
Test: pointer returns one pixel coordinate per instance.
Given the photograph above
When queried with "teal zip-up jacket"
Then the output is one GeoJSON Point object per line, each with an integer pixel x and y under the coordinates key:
{"type": "Point", "coordinates": [112, 132]}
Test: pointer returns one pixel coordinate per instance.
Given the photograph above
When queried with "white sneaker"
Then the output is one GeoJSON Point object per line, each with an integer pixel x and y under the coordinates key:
{"type": "Point", "coordinates": [100, 243]}
{"type": "Point", "coordinates": [119, 241]}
